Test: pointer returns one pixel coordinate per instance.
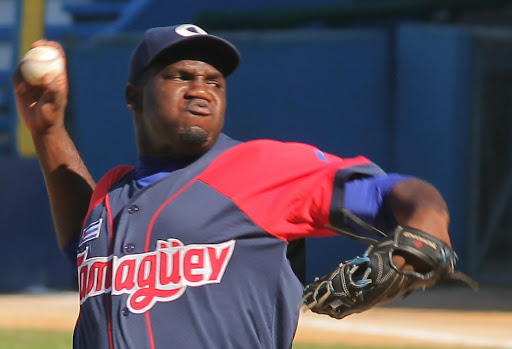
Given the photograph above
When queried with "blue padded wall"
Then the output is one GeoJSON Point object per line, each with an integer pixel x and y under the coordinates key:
{"type": "Point", "coordinates": [29, 257]}
{"type": "Point", "coordinates": [327, 88]}
{"type": "Point", "coordinates": [102, 125]}
{"type": "Point", "coordinates": [433, 113]}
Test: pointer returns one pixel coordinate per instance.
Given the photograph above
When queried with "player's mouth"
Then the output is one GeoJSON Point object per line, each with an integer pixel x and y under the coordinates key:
{"type": "Point", "coordinates": [199, 107]}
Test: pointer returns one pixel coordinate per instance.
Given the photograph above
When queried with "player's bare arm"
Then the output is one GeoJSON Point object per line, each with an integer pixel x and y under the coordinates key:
{"type": "Point", "coordinates": [69, 183]}
{"type": "Point", "coordinates": [418, 204]}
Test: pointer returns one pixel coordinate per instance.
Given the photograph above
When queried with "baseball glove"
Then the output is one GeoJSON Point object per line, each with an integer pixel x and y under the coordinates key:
{"type": "Point", "coordinates": [361, 283]}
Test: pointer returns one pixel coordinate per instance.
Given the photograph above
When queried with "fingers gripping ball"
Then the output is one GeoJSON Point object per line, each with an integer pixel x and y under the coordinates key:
{"type": "Point", "coordinates": [40, 61]}
{"type": "Point", "coordinates": [361, 283]}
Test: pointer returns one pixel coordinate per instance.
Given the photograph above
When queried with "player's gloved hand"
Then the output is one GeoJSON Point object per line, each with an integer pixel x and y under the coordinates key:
{"type": "Point", "coordinates": [363, 282]}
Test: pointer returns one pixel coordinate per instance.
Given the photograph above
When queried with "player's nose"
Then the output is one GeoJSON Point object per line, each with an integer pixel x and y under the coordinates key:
{"type": "Point", "coordinates": [198, 89]}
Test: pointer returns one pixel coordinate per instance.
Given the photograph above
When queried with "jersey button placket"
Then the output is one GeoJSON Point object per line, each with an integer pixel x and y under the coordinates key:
{"type": "Point", "coordinates": [133, 209]}
{"type": "Point", "coordinates": [128, 248]}
{"type": "Point", "coordinates": [125, 311]}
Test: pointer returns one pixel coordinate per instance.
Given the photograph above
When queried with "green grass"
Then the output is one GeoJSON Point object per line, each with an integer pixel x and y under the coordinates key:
{"type": "Point", "coordinates": [31, 339]}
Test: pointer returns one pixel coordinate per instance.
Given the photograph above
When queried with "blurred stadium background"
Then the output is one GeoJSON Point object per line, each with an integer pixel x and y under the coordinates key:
{"type": "Point", "coordinates": [419, 86]}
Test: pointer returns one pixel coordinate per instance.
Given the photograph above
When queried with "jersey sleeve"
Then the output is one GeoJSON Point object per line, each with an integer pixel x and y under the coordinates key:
{"type": "Point", "coordinates": [367, 198]}
{"type": "Point", "coordinates": [290, 190]}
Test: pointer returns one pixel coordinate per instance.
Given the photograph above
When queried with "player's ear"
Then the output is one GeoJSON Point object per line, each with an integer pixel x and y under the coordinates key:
{"type": "Point", "coordinates": [133, 96]}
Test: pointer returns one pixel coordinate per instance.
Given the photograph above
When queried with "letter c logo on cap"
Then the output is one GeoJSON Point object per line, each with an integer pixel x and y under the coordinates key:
{"type": "Point", "coordinates": [189, 30]}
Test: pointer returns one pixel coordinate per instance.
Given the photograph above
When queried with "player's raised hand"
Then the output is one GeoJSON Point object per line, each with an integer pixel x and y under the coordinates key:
{"type": "Point", "coordinates": [42, 106]}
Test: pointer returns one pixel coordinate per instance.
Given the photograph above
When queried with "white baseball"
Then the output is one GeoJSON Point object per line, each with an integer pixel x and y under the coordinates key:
{"type": "Point", "coordinates": [39, 61]}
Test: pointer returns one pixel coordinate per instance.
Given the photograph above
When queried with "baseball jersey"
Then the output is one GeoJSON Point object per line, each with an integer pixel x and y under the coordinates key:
{"type": "Point", "coordinates": [197, 259]}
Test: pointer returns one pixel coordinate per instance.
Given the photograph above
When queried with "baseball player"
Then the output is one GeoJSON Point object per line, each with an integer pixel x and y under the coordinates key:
{"type": "Point", "coordinates": [187, 249]}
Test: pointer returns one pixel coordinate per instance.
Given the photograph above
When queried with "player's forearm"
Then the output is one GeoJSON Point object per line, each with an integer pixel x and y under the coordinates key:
{"type": "Point", "coordinates": [419, 204]}
{"type": "Point", "coordinates": [68, 182]}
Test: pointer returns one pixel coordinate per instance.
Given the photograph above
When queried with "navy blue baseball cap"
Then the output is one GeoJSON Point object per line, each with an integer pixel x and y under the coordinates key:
{"type": "Point", "coordinates": [184, 41]}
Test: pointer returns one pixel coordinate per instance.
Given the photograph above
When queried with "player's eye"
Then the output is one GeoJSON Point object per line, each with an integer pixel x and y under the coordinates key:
{"type": "Point", "coordinates": [171, 76]}
{"type": "Point", "coordinates": [176, 75]}
{"type": "Point", "coordinates": [214, 83]}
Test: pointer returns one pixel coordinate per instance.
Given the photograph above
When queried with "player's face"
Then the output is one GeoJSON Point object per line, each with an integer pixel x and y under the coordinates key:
{"type": "Point", "coordinates": [183, 109]}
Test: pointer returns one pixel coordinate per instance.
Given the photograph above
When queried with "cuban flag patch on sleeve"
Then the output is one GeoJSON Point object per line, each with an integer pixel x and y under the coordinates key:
{"type": "Point", "coordinates": [91, 232]}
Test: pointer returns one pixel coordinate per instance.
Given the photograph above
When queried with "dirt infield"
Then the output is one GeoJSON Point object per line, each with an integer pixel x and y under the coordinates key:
{"type": "Point", "coordinates": [420, 321]}
{"type": "Point", "coordinates": [385, 326]}
{"type": "Point", "coordinates": [44, 311]}
{"type": "Point", "coordinates": [451, 317]}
